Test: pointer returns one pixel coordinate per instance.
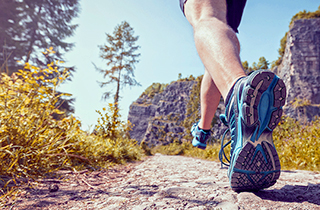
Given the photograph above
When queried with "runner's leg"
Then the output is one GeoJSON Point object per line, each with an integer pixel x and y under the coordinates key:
{"type": "Point", "coordinates": [210, 98]}
{"type": "Point", "coordinates": [216, 43]}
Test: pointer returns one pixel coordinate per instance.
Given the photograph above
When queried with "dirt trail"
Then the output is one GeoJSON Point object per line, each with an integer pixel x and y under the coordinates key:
{"type": "Point", "coordinates": [169, 182]}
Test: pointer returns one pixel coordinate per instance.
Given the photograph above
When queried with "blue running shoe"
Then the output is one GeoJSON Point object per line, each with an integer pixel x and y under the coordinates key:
{"type": "Point", "coordinates": [200, 136]}
{"type": "Point", "coordinates": [252, 113]}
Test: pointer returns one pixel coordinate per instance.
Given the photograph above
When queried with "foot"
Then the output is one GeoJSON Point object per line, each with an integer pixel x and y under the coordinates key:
{"type": "Point", "coordinates": [253, 112]}
{"type": "Point", "coordinates": [200, 136]}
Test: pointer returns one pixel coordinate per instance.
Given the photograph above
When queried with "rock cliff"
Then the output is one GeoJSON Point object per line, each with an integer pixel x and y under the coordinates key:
{"type": "Point", "coordinates": [158, 119]}
{"type": "Point", "coordinates": [300, 69]}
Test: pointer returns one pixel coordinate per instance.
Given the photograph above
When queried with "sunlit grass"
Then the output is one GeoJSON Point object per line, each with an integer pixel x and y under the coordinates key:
{"type": "Point", "coordinates": [298, 146]}
{"type": "Point", "coordinates": [34, 144]}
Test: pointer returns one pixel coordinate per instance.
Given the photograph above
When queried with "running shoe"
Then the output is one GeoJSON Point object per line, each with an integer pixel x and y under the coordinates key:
{"type": "Point", "coordinates": [252, 113]}
{"type": "Point", "coordinates": [200, 136]}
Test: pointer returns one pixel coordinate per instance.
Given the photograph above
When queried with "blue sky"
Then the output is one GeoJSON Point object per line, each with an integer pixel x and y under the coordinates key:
{"type": "Point", "coordinates": [167, 45]}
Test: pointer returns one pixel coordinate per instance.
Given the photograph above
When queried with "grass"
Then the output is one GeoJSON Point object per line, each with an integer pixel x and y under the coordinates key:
{"type": "Point", "coordinates": [34, 144]}
{"type": "Point", "coordinates": [298, 146]}
{"type": "Point", "coordinates": [186, 149]}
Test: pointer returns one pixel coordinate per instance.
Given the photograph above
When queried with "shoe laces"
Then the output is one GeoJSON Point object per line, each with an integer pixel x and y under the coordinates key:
{"type": "Point", "coordinates": [222, 154]}
{"type": "Point", "coordinates": [231, 129]}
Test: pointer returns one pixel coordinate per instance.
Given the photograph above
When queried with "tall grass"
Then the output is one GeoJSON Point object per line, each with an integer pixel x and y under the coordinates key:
{"type": "Point", "coordinates": [298, 146]}
{"type": "Point", "coordinates": [34, 144]}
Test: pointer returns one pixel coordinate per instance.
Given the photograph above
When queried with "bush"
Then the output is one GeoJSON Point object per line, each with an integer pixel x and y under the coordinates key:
{"type": "Point", "coordinates": [33, 143]}
{"type": "Point", "coordinates": [110, 143]}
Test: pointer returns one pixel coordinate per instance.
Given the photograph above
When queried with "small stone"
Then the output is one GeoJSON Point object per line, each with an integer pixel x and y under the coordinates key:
{"type": "Point", "coordinates": [53, 188]}
{"type": "Point", "coordinates": [227, 206]}
{"type": "Point", "coordinates": [211, 196]}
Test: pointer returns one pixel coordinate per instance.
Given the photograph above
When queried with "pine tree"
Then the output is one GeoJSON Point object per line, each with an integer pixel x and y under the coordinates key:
{"type": "Point", "coordinates": [28, 27]}
{"type": "Point", "coordinates": [119, 53]}
{"type": "Point", "coordinates": [9, 32]}
{"type": "Point", "coordinates": [263, 63]}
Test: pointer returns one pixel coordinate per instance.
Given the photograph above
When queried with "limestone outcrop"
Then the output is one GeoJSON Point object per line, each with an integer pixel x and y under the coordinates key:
{"type": "Point", "coordinates": [157, 119]}
{"type": "Point", "coordinates": [300, 69]}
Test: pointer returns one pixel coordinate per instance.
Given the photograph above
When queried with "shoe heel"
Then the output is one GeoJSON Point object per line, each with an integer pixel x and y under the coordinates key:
{"type": "Point", "coordinates": [265, 95]}
{"type": "Point", "coordinates": [255, 168]}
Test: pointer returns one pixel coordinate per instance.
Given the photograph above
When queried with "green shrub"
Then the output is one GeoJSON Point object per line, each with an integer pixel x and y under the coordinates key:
{"type": "Point", "coordinates": [154, 89]}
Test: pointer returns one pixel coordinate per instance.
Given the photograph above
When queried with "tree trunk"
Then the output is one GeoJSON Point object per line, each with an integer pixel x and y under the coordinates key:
{"type": "Point", "coordinates": [33, 39]}
{"type": "Point", "coordinates": [116, 99]}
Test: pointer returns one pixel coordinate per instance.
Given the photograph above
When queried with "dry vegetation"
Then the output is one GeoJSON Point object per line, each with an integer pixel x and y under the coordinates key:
{"type": "Point", "coordinates": [34, 144]}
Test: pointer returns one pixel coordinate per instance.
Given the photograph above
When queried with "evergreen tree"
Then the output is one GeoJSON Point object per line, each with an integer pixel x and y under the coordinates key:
{"type": "Point", "coordinates": [9, 32]}
{"type": "Point", "coordinates": [262, 64]}
{"type": "Point", "coordinates": [28, 27]}
{"type": "Point", "coordinates": [119, 53]}
{"type": "Point", "coordinates": [246, 67]}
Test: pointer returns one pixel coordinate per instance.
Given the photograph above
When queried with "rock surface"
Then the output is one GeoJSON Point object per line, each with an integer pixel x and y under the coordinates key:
{"type": "Point", "coordinates": [158, 120]}
{"type": "Point", "coordinates": [172, 182]}
{"type": "Point", "coordinates": [300, 68]}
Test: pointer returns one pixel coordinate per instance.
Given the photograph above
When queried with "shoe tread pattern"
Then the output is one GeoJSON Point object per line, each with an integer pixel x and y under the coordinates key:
{"type": "Point", "coordinates": [253, 171]}
{"type": "Point", "coordinates": [256, 87]}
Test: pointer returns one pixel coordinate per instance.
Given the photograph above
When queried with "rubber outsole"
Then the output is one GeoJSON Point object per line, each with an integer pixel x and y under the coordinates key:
{"type": "Point", "coordinates": [257, 165]}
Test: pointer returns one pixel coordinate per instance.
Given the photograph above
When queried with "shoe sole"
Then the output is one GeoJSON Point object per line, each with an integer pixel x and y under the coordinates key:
{"type": "Point", "coordinates": [256, 164]}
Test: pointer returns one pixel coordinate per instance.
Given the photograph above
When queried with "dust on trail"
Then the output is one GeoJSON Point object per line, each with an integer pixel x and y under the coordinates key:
{"type": "Point", "coordinates": [177, 182]}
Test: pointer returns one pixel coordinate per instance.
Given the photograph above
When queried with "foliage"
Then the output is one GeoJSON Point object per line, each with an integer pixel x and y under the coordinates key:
{"type": "Point", "coordinates": [27, 27]}
{"type": "Point", "coordinates": [298, 145]}
{"type": "Point", "coordinates": [262, 64]}
{"type": "Point", "coordinates": [110, 142]}
{"type": "Point", "coordinates": [300, 15]}
{"type": "Point", "coordinates": [31, 141]}
{"type": "Point", "coordinates": [296, 103]}
{"type": "Point", "coordinates": [120, 56]}
{"type": "Point", "coordinates": [154, 89]}
{"type": "Point", "coordinates": [306, 15]}
{"type": "Point", "coordinates": [33, 144]}
{"type": "Point", "coordinates": [281, 51]}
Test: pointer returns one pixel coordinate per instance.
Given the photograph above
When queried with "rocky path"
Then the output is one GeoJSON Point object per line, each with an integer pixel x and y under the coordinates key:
{"type": "Point", "coordinates": [174, 182]}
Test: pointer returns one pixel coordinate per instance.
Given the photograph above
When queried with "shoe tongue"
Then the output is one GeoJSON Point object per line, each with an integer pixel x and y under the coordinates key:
{"type": "Point", "coordinates": [230, 94]}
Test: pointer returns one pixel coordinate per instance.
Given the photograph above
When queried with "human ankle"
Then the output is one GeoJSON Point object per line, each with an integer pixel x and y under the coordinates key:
{"type": "Point", "coordinates": [227, 98]}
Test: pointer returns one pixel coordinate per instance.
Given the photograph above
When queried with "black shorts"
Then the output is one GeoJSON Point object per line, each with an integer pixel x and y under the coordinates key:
{"type": "Point", "coordinates": [234, 12]}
